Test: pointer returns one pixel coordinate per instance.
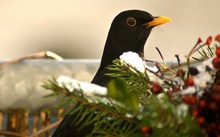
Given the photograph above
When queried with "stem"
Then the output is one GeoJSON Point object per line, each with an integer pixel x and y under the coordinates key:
{"type": "Point", "coordinates": [45, 54]}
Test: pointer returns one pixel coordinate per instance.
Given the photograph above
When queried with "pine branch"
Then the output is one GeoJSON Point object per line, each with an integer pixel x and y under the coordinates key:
{"type": "Point", "coordinates": [104, 117]}
{"type": "Point", "coordinates": [158, 113]}
{"type": "Point", "coordinates": [136, 80]}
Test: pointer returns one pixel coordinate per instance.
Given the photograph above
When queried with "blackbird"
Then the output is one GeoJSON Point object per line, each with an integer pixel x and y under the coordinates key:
{"type": "Point", "coordinates": [129, 32]}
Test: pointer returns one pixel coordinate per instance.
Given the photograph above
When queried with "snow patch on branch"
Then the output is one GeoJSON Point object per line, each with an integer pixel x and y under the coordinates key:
{"type": "Point", "coordinates": [88, 89]}
{"type": "Point", "coordinates": [134, 60]}
{"type": "Point", "coordinates": [92, 92]}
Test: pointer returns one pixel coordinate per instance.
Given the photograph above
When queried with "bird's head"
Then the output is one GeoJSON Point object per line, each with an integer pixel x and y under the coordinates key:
{"type": "Point", "coordinates": [129, 32]}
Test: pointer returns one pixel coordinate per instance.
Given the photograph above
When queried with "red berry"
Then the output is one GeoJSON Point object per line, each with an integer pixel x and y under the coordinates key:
{"type": "Point", "coordinates": [216, 97]}
{"type": "Point", "coordinates": [213, 106]}
{"type": "Point", "coordinates": [195, 112]}
{"type": "Point", "coordinates": [216, 63]}
{"type": "Point", "coordinates": [218, 128]}
{"type": "Point", "coordinates": [216, 88]}
{"type": "Point", "coordinates": [189, 81]}
{"type": "Point", "coordinates": [202, 104]}
{"type": "Point", "coordinates": [146, 130]}
{"type": "Point", "coordinates": [200, 120]}
{"type": "Point", "coordinates": [199, 41]}
{"type": "Point", "coordinates": [156, 88]}
{"type": "Point", "coordinates": [189, 99]}
{"type": "Point", "coordinates": [208, 40]}
{"type": "Point", "coordinates": [210, 127]}
{"type": "Point", "coordinates": [217, 38]}
{"type": "Point", "coordinates": [217, 52]}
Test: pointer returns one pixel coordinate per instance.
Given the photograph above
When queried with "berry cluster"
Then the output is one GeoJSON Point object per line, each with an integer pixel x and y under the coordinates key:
{"type": "Point", "coordinates": [205, 108]}
{"type": "Point", "coordinates": [203, 102]}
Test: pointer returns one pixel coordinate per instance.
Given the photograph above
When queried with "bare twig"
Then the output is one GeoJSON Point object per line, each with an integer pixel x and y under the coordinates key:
{"type": "Point", "coordinates": [1, 119]}
{"type": "Point", "coordinates": [45, 54]}
{"type": "Point", "coordinates": [8, 133]}
{"type": "Point", "coordinates": [46, 128]}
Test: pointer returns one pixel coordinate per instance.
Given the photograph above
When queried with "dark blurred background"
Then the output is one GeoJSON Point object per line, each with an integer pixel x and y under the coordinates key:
{"type": "Point", "coordinates": [78, 29]}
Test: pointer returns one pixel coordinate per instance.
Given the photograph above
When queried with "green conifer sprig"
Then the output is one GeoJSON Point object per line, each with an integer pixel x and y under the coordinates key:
{"type": "Point", "coordinates": [106, 118]}
{"type": "Point", "coordinates": [137, 82]}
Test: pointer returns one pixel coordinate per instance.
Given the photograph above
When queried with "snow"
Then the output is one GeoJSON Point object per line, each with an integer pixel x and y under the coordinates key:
{"type": "Point", "coordinates": [21, 84]}
{"type": "Point", "coordinates": [134, 60]}
{"type": "Point", "coordinates": [137, 62]}
{"type": "Point", "coordinates": [201, 80]}
{"type": "Point", "coordinates": [94, 93]}
{"type": "Point", "coordinates": [204, 76]}
{"type": "Point", "coordinates": [73, 84]}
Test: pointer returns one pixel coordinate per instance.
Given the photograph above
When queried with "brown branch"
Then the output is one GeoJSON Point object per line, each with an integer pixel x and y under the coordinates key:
{"type": "Point", "coordinates": [46, 128]}
{"type": "Point", "coordinates": [45, 54]}
{"type": "Point", "coordinates": [8, 133]}
{"type": "Point", "coordinates": [1, 119]}
{"type": "Point", "coordinates": [161, 55]}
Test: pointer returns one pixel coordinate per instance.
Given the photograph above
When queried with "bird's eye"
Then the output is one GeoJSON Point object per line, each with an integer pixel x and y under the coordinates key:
{"type": "Point", "coordinates": [131, 21]}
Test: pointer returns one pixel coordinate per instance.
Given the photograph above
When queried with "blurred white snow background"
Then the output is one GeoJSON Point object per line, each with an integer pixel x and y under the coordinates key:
{"type": "Point", "coordinates": [21, 84]}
